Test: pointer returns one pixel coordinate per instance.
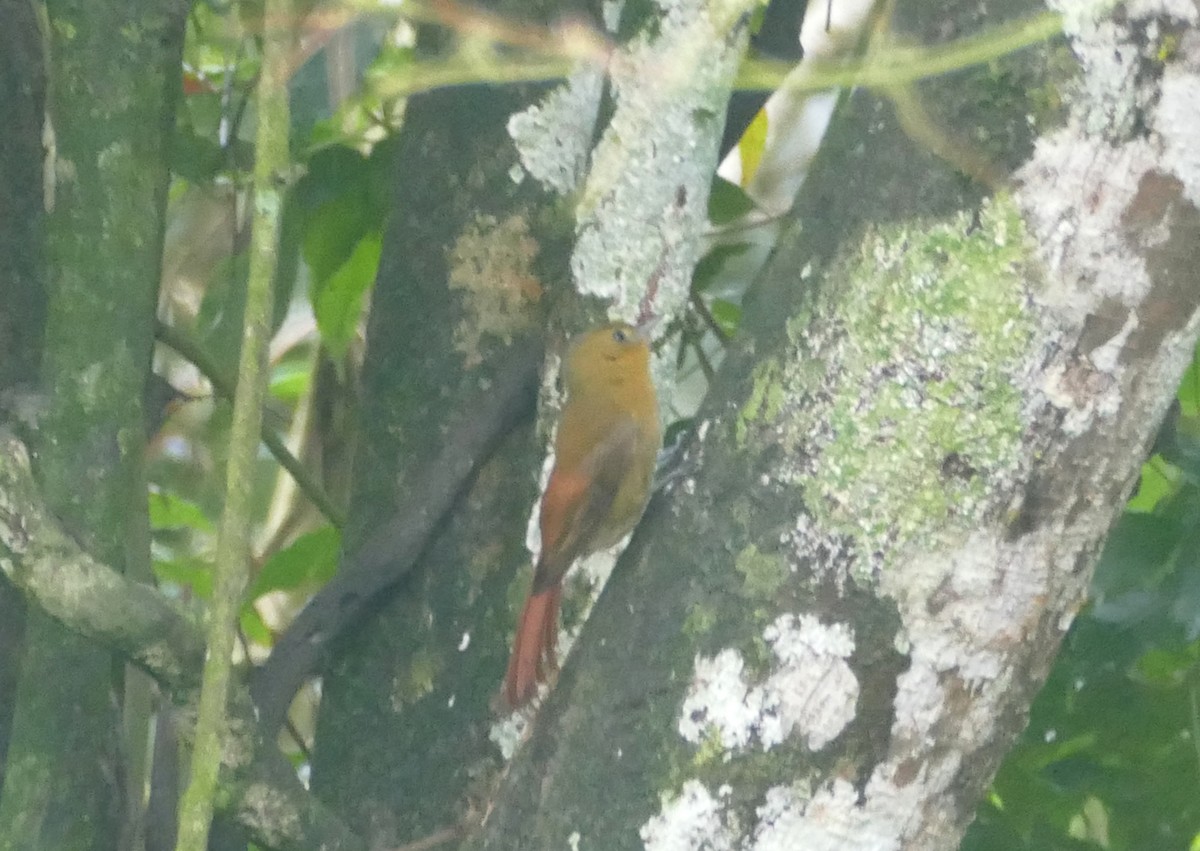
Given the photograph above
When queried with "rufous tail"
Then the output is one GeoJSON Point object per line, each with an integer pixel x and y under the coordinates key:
{"type": "Point", "coordinates": [533, 655]}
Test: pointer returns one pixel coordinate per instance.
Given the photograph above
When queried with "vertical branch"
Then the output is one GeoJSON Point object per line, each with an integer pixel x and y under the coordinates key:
{"type": "Point", "coordinates": [271, 162]}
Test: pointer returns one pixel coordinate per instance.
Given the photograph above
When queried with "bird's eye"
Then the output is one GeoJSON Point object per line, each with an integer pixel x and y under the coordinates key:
{"type": "Point", "coordinates": [619, 335]}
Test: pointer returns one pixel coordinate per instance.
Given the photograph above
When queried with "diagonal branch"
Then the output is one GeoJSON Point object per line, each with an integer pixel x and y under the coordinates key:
{"type": "Point", "coordinates": [225, 386]}
{"type": "Point", "coordinates": [389, 554]}
{"type": "Point", "coordinates": [53, 572]}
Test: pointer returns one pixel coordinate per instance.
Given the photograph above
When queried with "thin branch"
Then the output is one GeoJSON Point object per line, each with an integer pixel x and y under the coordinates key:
{"type": "Point", "coordinates": [389, 555]}
{"type": "Point", "coordinates": [233, 541]}
{"type": "Point", "coordinates": [883, 69]}
{"type": "Point", "coordinates": [702, 359]}
{"type": "Point", "coordinates": [55, 574]}
{"type": "Point", "coordinates": [895, 66]}
{"type": "Point", "coordinates": [922, 128]}
{"type": "Point", "coordinates": [711, 321]}
{"type": "Point", "coordinates": [569, 37]}
{"type": "Point", "coordinates": [225, 387]}
{"type": "Point", "coordinates": [462, 69]}
{"type": "Point", "coordinates": [753, 221]}
{"type": "Point", "coordinates": [553, 52]}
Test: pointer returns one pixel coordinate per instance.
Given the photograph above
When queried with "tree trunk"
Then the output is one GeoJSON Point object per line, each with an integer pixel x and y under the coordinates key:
{"type": "Point", "coordinates": [471, 261]}
{"type": "Point", "coordinates": [828, 633]}
{"type": "Point", "coordinates": [404, 741]}
{"type": "Point", "coordinates": [109, 68]}
{"type": "Point", "coordinates": [22, 293]}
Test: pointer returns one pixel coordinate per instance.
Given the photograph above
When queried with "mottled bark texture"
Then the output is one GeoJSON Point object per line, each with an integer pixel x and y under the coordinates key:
{"type": "Point", "coordinates": [829, 632]}
{"type": "Point", "coordinates": [403, 740]}
{"type": "Point", "coordinates": [470, 261]}
{"type": "Point", "coordinates": [22, 294]}
{"type": "Point", "coordinates": [111, 73]}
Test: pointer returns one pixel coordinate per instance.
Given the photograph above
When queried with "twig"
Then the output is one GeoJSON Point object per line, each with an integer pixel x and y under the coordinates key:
{"type": "Point", "coordinates": [225, 387]}
{"type": "Point", "coordinates": [896, 66]}
{"type": "Point", "coordinates": [197, 804]}
{"type": "Point", "coordinates": [709, 320]}
{"type": "Point", "coordinates": [291, 729]}
{"type": "Point", "coordinates": [555, 52]}
{"type": "Point", "coordinates": [702, 358]}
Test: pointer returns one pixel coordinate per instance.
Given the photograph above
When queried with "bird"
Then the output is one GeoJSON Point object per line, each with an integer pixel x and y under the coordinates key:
{"type": "Point", "coordinates": [605, 450]}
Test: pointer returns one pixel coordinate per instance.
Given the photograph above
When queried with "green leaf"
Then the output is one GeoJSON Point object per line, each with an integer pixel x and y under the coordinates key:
{"type": "Point", "coordinates": [727, 202]}
{"type": "Point", "coordinates": [711, 264]}
{"type": "Point", "coordinates": [727, 314]}
{"type": "Point", "coordinates": [1189, 388]}
{"type": "Point", "coordinates": [195, 158]}
{"type": "Point", "coordinates": [1135, 550]}
{"type": "Point", "coordinates": [340, 206]}
{"type": "Point", "coordinates": [170, 511]}
{"type": "Point", "coordinates": [310, 560]}
{"type": "Point", "coordinates": [752, 145]}
{"type": "Point", "coordinates": [338, 304]}
{"type": "Point", "coordinates": [254, 628]}
{"type": "Point", "coordinates": [1156, 484]}
{"type": "Point", "coordinates": [1185, 449]}
{"type": "Point", "coordinates": [332, 231]}
{"type": "Point", "coordinates": [1163, 667]}
{"type": "Point", "coordinates": [290, 378]}
{"type": "Point", "coordinates": [192, 573]}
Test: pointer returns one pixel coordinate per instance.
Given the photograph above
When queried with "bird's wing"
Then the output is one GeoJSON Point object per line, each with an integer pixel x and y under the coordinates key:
{"type": "Point", "coordinates": [577, 503]}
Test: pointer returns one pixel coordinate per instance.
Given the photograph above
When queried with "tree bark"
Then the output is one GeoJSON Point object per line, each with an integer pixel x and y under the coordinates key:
{"type": "Point", "coordinates": [405, 737]}
{"type": "Point", "coordinates": [22, 293]}
{"type": "Point", "coordinates": [828, 633]}
{"type": "Point", "coordinates": [469, 263]}
{"type": "Point", "coordinates": [112, 72]}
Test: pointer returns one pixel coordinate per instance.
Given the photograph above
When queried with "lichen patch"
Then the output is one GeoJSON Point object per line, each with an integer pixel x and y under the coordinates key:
{"type": "Point", "coordinates": [901, 409]}
{"type": "Point", "coordinates": [810, 689]}
{"type": "Point", "coordinates": [491, 266]}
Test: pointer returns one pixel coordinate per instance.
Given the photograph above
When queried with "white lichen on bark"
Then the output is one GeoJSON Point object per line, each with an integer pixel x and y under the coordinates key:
{"type": "Point", "coordinates": [553, 137]}
{"type": "Point", "coordinates": [810, 688]}
{"type": "Point", "coordinates": [945, 398]}
{"type": "Point", "coordinates": [693, 819]}
{"type": "Point", "coordinates": [645, 200]}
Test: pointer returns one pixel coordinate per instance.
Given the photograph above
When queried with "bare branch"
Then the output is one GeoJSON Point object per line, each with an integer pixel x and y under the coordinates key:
{"type": "Point", "coordinates": [389, 555]}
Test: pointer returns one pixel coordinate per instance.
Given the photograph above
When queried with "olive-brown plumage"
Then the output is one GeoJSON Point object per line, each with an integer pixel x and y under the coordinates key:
{"type": "Point", "coordinates": [604, 454]}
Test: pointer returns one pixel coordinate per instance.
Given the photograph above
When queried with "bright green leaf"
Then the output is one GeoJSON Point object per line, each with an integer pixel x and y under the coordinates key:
{"type": "Point", "coordinates": [1163, 667]}
{"type": "Point", "coordinates": [339, 302]}
{"type": "Point", "coordinates": [171, 511]}
{"type": "Point", "coordinates": [290, 379]}
{"type": "Point", "coordinates": [752, 145]}
{"type": "Point", "coordinates": [1156, 484]}
{"type": "Point", "coordinates": [254, 628]}
{"type": "Point", "coordinates": [191, 573]}
{"type": "Point", "coordinates": [727, 202]}
{"type": "Point", "coordinates": [310, 560]}
{"type": "Point", "coordinates": [727, 314]}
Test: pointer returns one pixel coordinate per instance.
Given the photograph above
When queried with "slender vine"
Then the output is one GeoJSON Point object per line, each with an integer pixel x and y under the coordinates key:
{"type": "Point", "coordinates": [233, 542]}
